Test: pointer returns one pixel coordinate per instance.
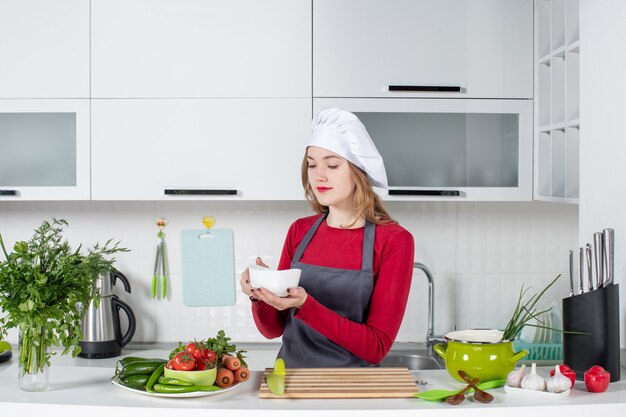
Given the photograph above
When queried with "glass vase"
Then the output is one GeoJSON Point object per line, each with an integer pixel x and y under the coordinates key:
{"type": "Point", "coordinates": [33, 367]}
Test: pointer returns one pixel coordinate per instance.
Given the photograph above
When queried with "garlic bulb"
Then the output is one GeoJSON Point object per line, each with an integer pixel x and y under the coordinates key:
{"type": "Point", "coordinates": [514, 378]}
{"type": "Point", "coordinates": [533, 381]}
{"type": "Point", "coordinates": [558, 382]}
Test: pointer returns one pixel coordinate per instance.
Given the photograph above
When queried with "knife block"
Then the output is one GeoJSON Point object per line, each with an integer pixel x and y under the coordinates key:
{"type": "Point", "coordinates": [597, 314]}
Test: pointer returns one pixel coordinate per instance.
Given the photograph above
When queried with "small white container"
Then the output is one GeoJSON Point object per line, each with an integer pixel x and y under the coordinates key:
{"type": "Point", "coordinates": [275, 281]}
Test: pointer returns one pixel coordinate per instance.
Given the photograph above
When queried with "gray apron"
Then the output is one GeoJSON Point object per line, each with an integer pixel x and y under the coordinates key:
{"type": "Point", "coordinates": [346, 292]}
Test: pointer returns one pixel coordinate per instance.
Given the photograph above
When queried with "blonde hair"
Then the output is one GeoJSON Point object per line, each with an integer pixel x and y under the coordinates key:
{"type": "Point", "coordinates": [367, 203]}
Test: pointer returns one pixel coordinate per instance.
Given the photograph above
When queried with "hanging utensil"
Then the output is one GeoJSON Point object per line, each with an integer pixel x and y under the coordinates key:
{"type": "Point", "coordinates": [159, 278]}
{"type": "Point", "coordinates": [609, 255]}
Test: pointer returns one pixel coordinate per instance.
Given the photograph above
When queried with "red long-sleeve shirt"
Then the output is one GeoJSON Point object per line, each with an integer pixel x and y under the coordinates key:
{"type": "Point", "coordinates": [342, 248]}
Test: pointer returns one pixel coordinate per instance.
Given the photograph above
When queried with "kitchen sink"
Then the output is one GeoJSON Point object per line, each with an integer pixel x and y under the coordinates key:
{"type": "Point", "coordinates": [412, 361]}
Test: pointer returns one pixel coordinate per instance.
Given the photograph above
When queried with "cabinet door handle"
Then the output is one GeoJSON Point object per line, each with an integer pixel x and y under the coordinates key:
{"type": "Point", "coordinates": [9, 193]}
{"type": "Point", "coordinates": [427, 88]}
{"type": "Point", "coordinates": [439, 193]}
{"type": "Point", "coordinates": [185, 192]}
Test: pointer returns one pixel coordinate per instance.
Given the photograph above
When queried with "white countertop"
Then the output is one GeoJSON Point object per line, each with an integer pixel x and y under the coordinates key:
{"type": "Point", "coordinates": [84, 386]}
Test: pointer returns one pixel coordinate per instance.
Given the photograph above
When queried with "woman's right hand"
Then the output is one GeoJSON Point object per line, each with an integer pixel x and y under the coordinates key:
{"type": "Point", "coordinates": [244, 281]}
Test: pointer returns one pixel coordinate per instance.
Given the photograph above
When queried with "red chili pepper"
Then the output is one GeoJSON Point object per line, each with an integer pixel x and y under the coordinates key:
{"type": "Point", "coordinates": [568, 372]}
{"type": "Point", "coordinates": [597, 379]}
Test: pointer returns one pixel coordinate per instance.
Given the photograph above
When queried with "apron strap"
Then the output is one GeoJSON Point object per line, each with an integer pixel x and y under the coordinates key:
{"type": "Point", "coordinates": [307, 238]}
{"type": "Point", "coordinates": [367, 258]}
{"type": "Point", "coordinates": [369, 234]}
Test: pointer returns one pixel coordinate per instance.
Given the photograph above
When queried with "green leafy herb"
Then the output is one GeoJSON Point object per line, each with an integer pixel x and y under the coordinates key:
{"type": "Point", "coordinates": [524, 312]}
{"type": "Point", "coordinates": [41, 283]}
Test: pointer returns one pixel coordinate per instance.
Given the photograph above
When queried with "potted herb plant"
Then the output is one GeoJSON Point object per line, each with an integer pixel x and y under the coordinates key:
{"type": "Point", "coordinates": [41, 283]}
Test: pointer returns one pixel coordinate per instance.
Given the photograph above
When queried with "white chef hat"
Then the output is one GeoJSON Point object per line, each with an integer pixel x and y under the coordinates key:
{"type": "Point", "coordinates": [341, 132]}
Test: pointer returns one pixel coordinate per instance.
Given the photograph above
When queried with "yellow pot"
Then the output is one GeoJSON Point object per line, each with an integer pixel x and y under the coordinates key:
{"type": "Point", "coordinates": [480, 353]}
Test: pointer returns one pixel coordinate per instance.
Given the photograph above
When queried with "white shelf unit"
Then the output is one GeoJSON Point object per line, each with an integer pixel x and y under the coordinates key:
{"type": "Point", "coordinates": [557, 96]}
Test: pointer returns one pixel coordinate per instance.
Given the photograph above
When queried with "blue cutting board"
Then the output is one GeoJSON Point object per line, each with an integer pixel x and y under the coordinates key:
{"type": "Point", "coordinates": [208, 268]}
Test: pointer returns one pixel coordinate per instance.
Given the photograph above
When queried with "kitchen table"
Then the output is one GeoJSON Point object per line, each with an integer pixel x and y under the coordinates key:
{"type": "Point", "coordinates": [82, 386]}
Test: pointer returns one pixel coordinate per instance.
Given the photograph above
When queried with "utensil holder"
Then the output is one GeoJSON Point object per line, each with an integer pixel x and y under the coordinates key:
{"type": "Point", "coordinates": [595, 313]}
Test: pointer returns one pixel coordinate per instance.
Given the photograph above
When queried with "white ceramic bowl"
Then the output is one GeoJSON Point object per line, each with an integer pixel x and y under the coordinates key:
{"type": "Point", "coordinates": [275, 281]}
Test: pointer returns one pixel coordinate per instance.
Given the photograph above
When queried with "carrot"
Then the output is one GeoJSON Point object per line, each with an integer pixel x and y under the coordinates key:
{"type": "Point", "coordinates": [242, 374]}
{"type": "Point", "coordinates": [231, 362]}
{"type": "Point", "coordinates": [225, 377]}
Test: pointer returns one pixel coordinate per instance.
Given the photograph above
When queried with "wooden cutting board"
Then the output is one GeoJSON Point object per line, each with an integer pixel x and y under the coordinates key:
{"type": "Point", "coordinates": [344, 383]}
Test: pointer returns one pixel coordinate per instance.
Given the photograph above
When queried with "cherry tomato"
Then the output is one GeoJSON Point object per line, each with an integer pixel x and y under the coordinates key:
{"type": "Point", "coordinates": [201, 366]}
{"type": "Point", "coordinates": [209, 356]}
{"type": "Point", "coordinates": [170, 364]}
{"type": "Point", "coordinates": [194, 351]}
{"type": "Point", "coordinates": [568, 372]}
{"type": "Point", "coordinates": [183, 362]}
{"type": "Point", "coordinates": [597, 379]}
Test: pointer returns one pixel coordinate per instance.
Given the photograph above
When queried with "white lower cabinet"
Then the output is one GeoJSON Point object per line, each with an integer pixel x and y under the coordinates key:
{"type": "Point", "coordinates": [186, 149]}
{"type": "Point", "coordinates": [44, 150]}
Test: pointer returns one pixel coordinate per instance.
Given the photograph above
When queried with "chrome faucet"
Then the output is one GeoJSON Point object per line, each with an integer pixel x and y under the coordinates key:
{"type": "Point", "coordinates": [431, 339]}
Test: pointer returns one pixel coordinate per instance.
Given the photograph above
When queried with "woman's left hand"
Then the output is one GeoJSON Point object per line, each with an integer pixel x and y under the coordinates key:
{"type": "Point", "coordinates": [297, 297]}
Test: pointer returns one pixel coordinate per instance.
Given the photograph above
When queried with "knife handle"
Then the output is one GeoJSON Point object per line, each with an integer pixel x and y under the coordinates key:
{"type": "Point", "coordinates": [589, 267]}
{"type": "Point", "coordinates": [581, 270]}
{"type": "Point", "coordinates": [571, 273]}
{"type": "Point", "coordinates": [598, 246]}
{"type": "Point", "coordinates": [609, 253]}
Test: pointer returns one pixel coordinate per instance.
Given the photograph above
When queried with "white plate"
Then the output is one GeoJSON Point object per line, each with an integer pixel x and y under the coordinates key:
{"type": "Point", "coordinates": [529, 393]}
{"type": "Point", "coordinates": [528, 332]}
{"type": "Point", "coordinates": [546, 333]}
{"type": "Point", "coordinates": [557, 322]}
{"type": "Point", "coordinates": [115, 382]}
{"type": "Point", "coordinates": [542, 332]}
{"type": "Point", "coordinates": [548, 336]}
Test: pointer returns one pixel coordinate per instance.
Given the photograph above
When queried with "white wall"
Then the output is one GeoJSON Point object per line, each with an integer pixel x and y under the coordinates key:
{"type": "Point", "coordinates": [479, 253]}
{"type": "Point", "coordinates": [602, 138]}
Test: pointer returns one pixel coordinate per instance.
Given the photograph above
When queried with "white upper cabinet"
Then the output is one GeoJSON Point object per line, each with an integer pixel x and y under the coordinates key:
{"type": "Point", "coordinates": [198, 149]}
{"type": "Point", "coordinates": [44, 49]}
{"type": "Point", "coordinates": [44, 149]}
{"type": "Point", "coordinates": [412, 48]}
{"type": "Point", "coordinates": [200, 48]}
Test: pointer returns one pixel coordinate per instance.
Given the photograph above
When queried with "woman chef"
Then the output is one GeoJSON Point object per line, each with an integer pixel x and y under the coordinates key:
{"type": "Point", "coordinates": [356, 261]}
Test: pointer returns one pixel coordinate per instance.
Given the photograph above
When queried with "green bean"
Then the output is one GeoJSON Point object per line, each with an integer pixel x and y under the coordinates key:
{"type": "Point", "coordinates": [177, 389]}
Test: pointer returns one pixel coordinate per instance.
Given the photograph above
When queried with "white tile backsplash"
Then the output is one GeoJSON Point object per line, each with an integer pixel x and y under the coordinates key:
{"type": "Point", "coordinates": [480, 254]}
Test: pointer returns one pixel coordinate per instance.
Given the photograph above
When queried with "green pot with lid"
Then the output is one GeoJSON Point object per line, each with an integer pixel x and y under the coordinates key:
{"type": "Point", "coordinates": [479, 352]}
